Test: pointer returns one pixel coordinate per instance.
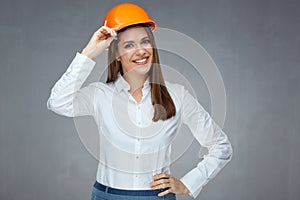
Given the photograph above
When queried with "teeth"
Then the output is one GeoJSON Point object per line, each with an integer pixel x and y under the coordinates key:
{"type": "Point", "coordinates": [141, 61]}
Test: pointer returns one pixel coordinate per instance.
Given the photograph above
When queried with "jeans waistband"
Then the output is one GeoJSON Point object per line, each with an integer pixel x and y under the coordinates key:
{"type": "Point", "coordinates": [110, 190]}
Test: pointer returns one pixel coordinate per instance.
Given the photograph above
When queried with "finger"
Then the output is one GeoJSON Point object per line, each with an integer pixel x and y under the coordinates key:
{"type": "Point", "coordinates": [159, 176]}
{"type": "Point", "coordinates": [100, 30]}
{"type": "Point", "coordinates": [105, 22]}
{"type": "Point", "coordinates": [160, 181]}
{"type": "Point", "coordinates": [104, 30]}
{"type": "Point", "coordinates": [108, 32]}
{"type": "Point", "coordinates": [111, 32]}
{"type": "Point", "coordinates": [164, 192]}
{"type": "Point", "coordinates": [161, 186]}
{"type": "Point", "coordinates": [114, 32]}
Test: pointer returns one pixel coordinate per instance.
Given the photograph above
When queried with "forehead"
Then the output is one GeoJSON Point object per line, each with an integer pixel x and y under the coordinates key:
{"type": "Point", "coordinates": [133, 33]}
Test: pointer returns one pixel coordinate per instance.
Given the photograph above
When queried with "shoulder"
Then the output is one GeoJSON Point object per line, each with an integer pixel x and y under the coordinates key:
{"type": "Point", "coordinates": [176, 91]}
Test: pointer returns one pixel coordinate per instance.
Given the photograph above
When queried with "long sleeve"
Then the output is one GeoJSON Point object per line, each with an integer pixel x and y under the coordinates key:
{"type": "Point", "coordinates": [66, 97]}
{"type": "Point", "coordinates": [209, 135]}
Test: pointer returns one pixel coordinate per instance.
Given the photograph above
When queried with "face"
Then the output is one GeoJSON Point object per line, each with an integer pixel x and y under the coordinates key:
{"type": "Point", "coordinates": [135, 51]}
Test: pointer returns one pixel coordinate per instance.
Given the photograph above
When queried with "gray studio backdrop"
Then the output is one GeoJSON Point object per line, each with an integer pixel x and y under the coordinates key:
{"type": "Point", "coordinates": [254, 43]}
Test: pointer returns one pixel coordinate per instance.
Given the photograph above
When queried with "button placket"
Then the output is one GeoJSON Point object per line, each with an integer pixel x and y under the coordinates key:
{"type": "Point", "coordinates": [139, 115]}
{"type": "Point", "coordinates": [139, 123]}
{"type": "Point", "coordinates": [138, 140]}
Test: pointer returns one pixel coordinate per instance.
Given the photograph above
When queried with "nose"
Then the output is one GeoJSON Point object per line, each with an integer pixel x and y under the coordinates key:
{"type": "Point", "coordinates": [140, 51]}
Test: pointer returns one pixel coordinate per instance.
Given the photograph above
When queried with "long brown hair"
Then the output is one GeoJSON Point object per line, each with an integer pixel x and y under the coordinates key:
{"type": "Point", "coordinates": [164, 107]}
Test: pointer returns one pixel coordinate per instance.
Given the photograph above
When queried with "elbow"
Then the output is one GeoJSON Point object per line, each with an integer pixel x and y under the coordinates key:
{"type": "Point", "coordinates": [227, 152]}
{"type": "Point", "coordinates": [231, 152]}
{"type": "Point", "coordinates": [63, 110]}
{"type": "Point", "coordinates": [49, 104]}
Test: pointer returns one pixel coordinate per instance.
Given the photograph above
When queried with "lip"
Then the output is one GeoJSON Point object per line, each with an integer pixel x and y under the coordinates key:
{"type": "Point", "coordinates": [141, 61]}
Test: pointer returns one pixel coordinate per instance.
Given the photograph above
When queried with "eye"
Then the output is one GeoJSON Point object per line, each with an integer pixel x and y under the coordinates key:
{"type": "Point", "coordinates": [146, 41]}
{"type": "Point", "coordinates": [128, 46]}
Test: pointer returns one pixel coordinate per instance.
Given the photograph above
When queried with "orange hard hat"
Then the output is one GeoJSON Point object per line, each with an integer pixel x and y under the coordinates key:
{"type": "Point", "coordinates": [127, 14]}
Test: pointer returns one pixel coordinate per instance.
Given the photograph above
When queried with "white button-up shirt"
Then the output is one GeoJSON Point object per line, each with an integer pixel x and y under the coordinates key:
{"type": "Point", "coordinates": [133, 148]}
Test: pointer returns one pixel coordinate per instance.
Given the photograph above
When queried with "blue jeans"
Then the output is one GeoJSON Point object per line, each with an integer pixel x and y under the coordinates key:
{"type": "Point", "coordinates": [101, 192]}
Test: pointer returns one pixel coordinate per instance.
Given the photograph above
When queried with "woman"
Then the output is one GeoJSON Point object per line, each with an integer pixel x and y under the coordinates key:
{"type": "Point", "coordinates": [137, 112]}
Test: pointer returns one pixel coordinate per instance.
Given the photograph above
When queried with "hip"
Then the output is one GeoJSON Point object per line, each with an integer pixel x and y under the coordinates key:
{"type": "Point", "coordinates": [102, 192]}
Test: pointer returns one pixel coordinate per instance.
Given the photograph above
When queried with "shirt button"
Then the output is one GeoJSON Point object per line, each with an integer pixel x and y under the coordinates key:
{"type": "Point", "coordinates": [137, 157]}
{"type": "Point", "coordinates": [139, 107]}
{"type": "Point", "coordinates": [136, 176]}
{"type": "Point", "coordinates": [139, 123]}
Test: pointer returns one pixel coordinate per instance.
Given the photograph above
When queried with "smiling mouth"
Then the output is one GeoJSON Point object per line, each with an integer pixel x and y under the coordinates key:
{"type": "Point", "coordinates": [141, 61]}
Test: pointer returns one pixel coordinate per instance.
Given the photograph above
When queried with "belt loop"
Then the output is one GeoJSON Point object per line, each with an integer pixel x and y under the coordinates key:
{"type": "Point", "coordinates": [106, 189]}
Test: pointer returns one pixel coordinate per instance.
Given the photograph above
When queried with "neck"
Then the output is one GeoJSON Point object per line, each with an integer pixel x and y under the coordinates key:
{"type": "Point", "coordinates": [135, 81]}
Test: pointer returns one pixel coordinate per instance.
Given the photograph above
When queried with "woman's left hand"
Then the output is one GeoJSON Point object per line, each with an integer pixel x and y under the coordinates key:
{"type": "Point", "coordinates": [172, 184]}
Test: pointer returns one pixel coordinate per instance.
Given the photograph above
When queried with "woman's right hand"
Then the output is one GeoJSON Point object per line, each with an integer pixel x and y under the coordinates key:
{"type": "Point", "coordinates": [100, 40]}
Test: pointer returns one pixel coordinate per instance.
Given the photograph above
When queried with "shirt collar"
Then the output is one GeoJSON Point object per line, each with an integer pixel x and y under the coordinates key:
{"type": "Point", "coordinates": [122, 84]}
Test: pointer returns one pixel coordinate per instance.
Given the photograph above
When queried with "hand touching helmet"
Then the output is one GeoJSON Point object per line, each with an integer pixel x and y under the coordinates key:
{"type": "Point", "coordinates": [99, 41]}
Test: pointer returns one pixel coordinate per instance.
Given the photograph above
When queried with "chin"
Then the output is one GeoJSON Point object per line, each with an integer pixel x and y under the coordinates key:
{"type": "Point", "coordinates": [142, 70]}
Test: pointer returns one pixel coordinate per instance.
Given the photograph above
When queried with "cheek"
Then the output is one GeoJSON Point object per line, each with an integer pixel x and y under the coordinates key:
{"type": "Point", "coordinates": [126, 55]}
{"type": "Point", "coordinates": [151, 53]}
{"type": "Point", "coordinates": [150, 50]}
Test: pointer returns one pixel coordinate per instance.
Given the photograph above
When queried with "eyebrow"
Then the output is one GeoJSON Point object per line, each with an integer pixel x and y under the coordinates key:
{"type": "Point", "coordinates": [129, 41]}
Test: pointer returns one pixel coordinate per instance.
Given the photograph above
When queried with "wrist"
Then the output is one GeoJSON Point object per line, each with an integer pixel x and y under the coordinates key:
{"type": "Point", "coordinates": [185, 189]}
{"type": "Point", "coordinates": [86, 53]}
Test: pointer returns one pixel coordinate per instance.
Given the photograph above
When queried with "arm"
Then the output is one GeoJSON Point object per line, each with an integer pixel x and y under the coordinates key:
{"type": "Point", "coordinates": [66, 97]}
{"type": "Point", "coordinates": [209, 135]}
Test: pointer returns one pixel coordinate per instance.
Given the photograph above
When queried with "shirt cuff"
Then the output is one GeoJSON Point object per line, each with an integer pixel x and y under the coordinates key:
{"type": "Point", "coordinates": [80, 58]}
{"type": "Point", "coordinates": [194, 181]}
